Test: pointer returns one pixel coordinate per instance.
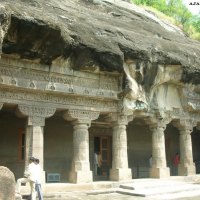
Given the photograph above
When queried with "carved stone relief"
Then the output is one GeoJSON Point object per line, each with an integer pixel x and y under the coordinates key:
{"type": "Point", "coordinates": [58, 101]}
{"type": "Point", "coordinates": [81, 83]}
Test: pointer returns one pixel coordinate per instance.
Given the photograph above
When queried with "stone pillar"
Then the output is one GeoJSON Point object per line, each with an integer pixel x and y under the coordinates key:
{"type": "Point", "coordinates": [35, 138]}
{"type": "Point", "coordinates": [186, 166]}
{"type": "Point", "coordinates": [35, 131]}
{"type": "Point", "coordinates": [120, 170]}
{"type": "Point", "coordinates": [80, 170]}
{"type": "Point", "coordinates": [159, 168]}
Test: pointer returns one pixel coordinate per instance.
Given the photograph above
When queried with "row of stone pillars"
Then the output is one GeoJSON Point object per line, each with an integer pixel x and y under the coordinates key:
{"type": "Point", "coordinates": [159, 168]}
{"type": "Point", "coordinates": [81, 120]}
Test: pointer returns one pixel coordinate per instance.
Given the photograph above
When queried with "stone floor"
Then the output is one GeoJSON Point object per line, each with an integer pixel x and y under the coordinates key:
{"type": "Point", "coordinates": [176, 188]}
{"type": "Point", "coordinates": [113, 196]}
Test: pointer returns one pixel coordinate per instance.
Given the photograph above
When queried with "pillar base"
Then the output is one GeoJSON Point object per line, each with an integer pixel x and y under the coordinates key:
{"type": "Point", "coordinates": [81, 177]}
{"type": "Point", "coordinates": [120, 174]}
{"type": "Point", "coordinates": [159, 172]}
{"type": "Point", "coordinates": [186, 170]}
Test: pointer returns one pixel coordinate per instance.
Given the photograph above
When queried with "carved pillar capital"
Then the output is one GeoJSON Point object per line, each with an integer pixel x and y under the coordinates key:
{"type": "Point", "coordinates": [80, 116]}
{"type": "Point", "coordinates": [36, 114]}
{"type": "Point", "coordinates": [185, 126]}
{"type": "Point", "coordinates": [158, 123]}
{"type": "Point", "coordinates": [119, 119]}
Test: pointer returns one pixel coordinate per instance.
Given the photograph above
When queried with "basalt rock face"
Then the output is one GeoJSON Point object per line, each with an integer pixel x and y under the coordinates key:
{"type": "Point", "coordinates": [95, 35]}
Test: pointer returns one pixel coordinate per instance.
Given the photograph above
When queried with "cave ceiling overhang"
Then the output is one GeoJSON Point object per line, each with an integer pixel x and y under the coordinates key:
{"type": "Point", "coordinates": [93, 36]}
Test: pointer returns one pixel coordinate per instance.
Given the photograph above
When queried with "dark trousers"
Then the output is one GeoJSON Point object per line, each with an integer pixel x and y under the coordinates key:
{"type": "Point", "coordinates": [39, 190]}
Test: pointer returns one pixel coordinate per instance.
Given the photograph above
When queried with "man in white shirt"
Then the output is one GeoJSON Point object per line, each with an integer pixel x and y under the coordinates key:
{"type": "Point", "coordinates": [29, 177]}
{"type": "Point", "coordinates": [38, 179]}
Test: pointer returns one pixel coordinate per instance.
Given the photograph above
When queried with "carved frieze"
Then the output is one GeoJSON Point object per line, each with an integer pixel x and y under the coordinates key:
{"type": "Point", "coordinates": [60, 101]}
{"type": "Point", "coordinates": [80, 83]}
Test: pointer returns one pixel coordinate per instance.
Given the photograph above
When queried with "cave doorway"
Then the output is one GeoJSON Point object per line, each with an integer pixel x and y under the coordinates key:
{"type": "Point", "coordinates": [139, 147]}
{"type": "Point", "coordinates": [196, 148]}
{"type": "Point", "coordinates": [103, 149]}
{"type": "Point", "coordinates": [172, 147]}
{"type": "Point", "coordinates": [12, 142]}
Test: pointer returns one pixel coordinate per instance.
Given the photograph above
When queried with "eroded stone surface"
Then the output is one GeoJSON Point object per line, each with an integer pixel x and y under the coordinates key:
{"type": "Point", "coordinates": [94, 35]}
{"type": "Point", "coordinates": [7, 184]}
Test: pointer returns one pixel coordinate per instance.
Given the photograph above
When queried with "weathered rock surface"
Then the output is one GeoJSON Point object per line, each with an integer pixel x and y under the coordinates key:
{"type": "Point", "coordinates": [7, 184]}
{"type": "Point", "coordinates": [94, 34]}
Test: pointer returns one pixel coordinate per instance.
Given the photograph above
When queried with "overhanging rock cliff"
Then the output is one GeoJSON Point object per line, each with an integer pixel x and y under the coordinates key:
{"type": "Point", "coordinates": [104, 34]}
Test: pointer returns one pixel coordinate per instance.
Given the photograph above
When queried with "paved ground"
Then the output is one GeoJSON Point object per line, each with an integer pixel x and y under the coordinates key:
{"type": "Point", "coordinates": [106, 190]}
{"type": "Point", "coordinates": [113, 196]}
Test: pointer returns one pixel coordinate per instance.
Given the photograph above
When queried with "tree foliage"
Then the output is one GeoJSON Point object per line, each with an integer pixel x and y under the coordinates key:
{"type": "Point", "coordinates": [176, 9]}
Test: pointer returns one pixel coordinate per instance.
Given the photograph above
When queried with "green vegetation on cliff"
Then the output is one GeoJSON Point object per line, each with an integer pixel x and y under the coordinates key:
{"type": "Point", "coordinates": [178, 11]}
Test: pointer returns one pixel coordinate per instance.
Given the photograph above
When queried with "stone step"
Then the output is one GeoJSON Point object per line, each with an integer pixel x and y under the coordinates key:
{"type": "Point", "coordinates": [156, 189]}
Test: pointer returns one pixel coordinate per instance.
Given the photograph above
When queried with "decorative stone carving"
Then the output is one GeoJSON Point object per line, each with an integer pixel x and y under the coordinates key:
{"type": "Point", "coordinates": [81, 115]}
{"type": "Point", "coordinates": [13, 82]}
{"type": "Point", "coordinates": [36, 115]}
{"type": "Point", "coordinates": [119, 118]}
{"type": "Point", "coordinates": [82, 83]}
{"type": "Point", "coordinates": [60, 101]}
{"type": "Point", "coordinates": [156, 120]}
{"type": "Point", "coordinates": [185, 124]}
{"type": "Point", "coordinates": [32, 85]}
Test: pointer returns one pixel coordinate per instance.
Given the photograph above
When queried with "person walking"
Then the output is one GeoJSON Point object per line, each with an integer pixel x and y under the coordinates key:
{"type": "Point", "coordinates": [38, 187]}
{"type": "Point", "coordinates": [29, 177]}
